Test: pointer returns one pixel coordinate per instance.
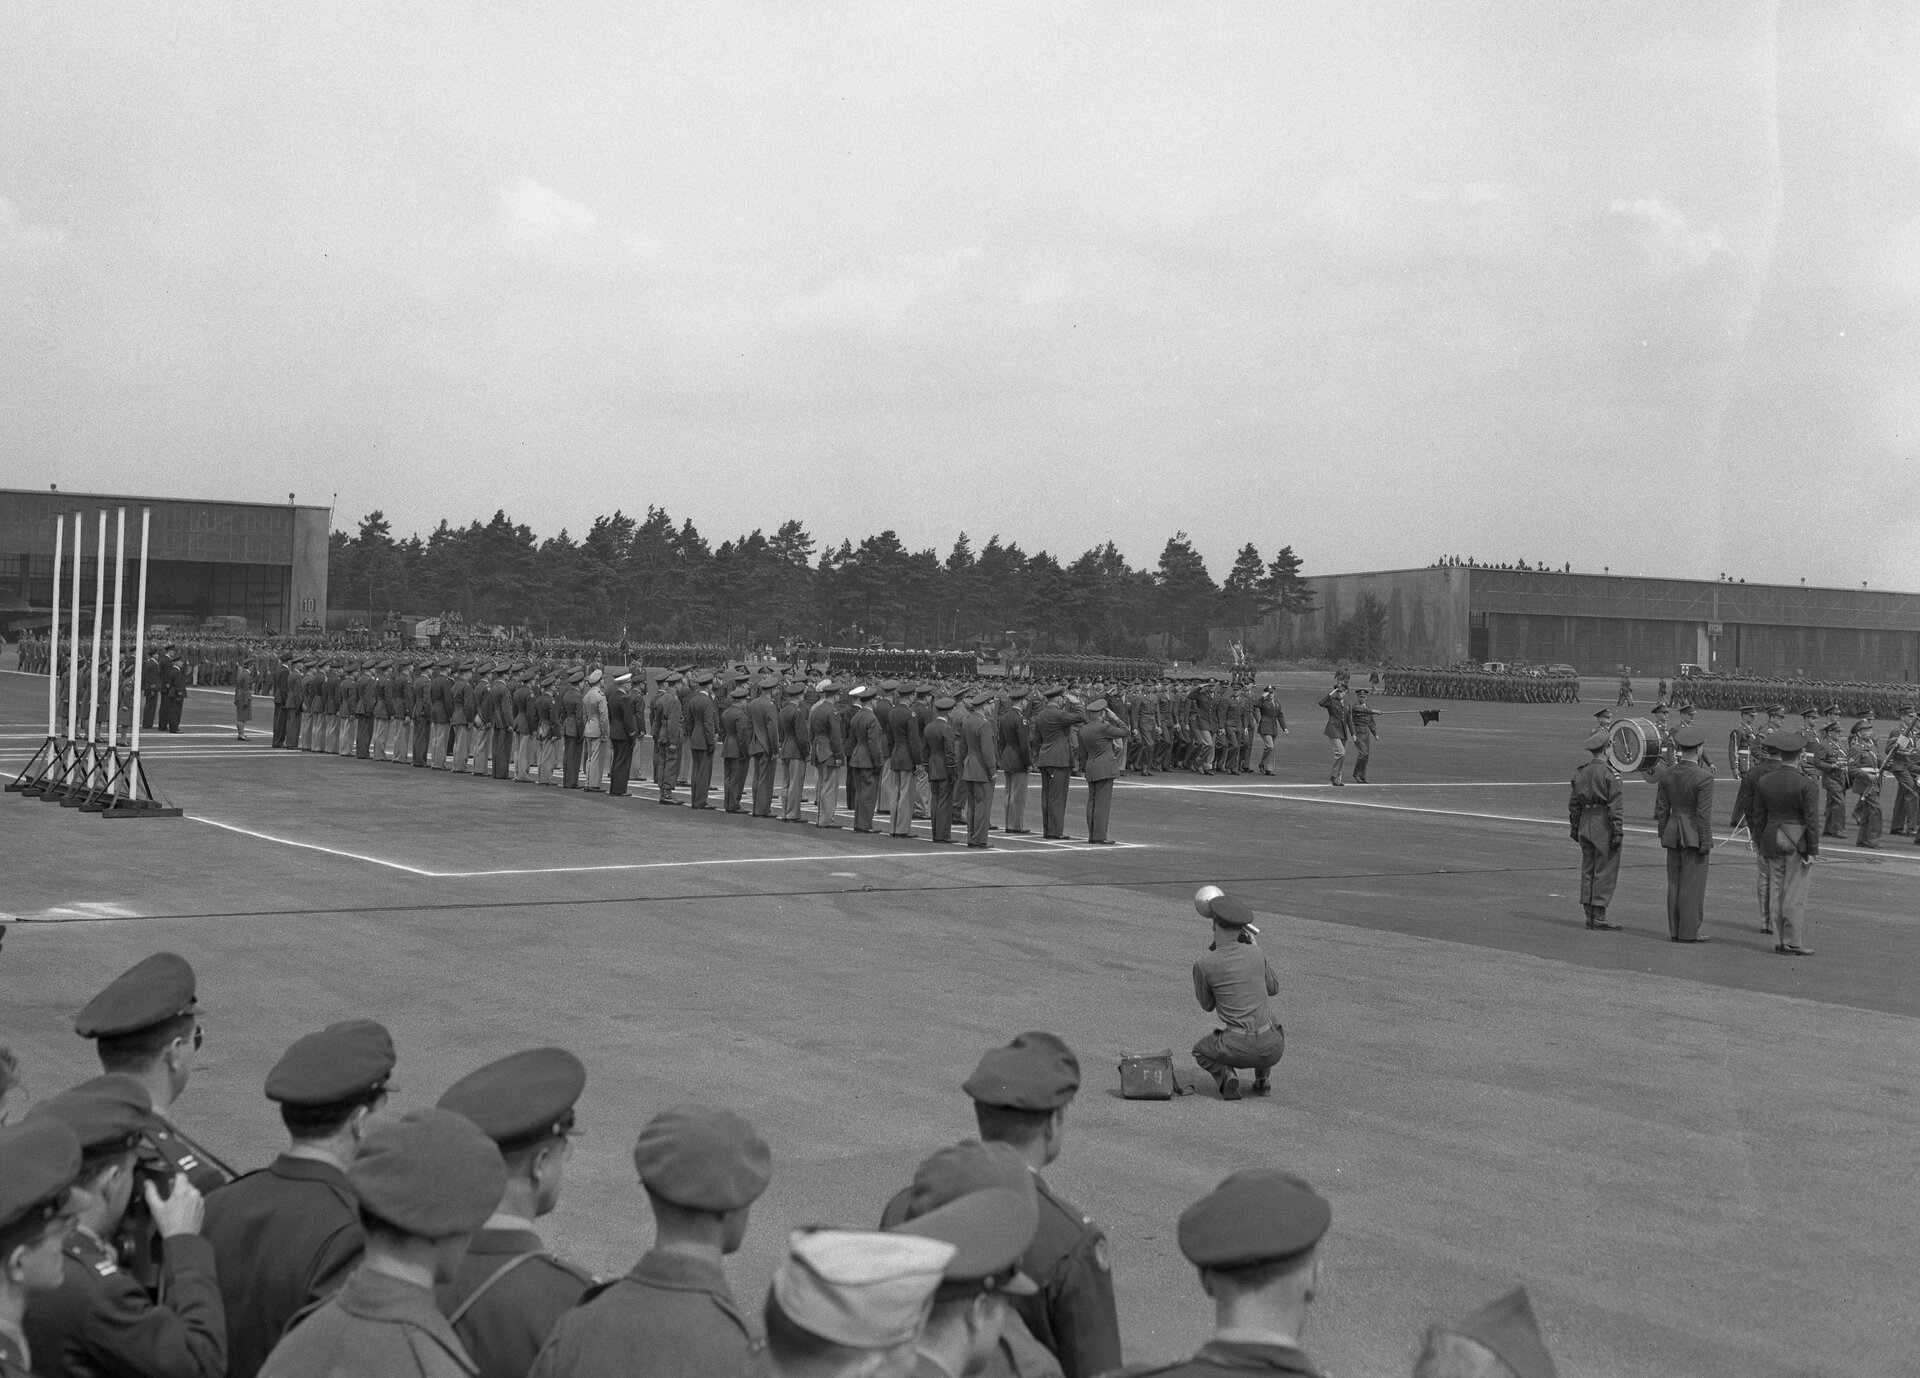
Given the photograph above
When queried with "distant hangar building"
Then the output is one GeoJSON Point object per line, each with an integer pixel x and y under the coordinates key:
{"type": "Point", "coordinates": [1598, 622]}
{"type": "Point", "coordinates": [266, 562]}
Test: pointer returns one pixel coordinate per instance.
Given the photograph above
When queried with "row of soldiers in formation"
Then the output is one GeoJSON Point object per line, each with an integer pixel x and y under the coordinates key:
{"type": "Point", "coordinates": [164, 681]}
{"type": "Point", "coordinates": [1727, 693]}
{"type": "Point", "coordinates": [393, 1244]}
{"type": "Point", "coordinates": [1488, 686]}
{"type": "Point", "coordinates": [910, 750]}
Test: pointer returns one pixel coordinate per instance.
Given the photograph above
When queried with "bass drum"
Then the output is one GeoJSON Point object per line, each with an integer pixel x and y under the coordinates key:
{"type": "Point", "coordinates": [1635, 745]}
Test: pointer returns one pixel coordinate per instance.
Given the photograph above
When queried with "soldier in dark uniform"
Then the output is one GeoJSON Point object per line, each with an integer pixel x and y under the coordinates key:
{"type": "Point", "coordinates": [1104, 739]}
{"type": "Point", "coordinates": [570, 707]}
{"type": "Point", "coordinates": [1366, 726]}
{"type": "Point", "coordinates": [1053, 751]}
{"type": "Point", "coordinates": [702, 1168]}
{"type": "Point", "coordinates": [39, 1161]}
{"type": "Point", "coordinates": [828, 738]}
{"type": "Point", "coordinates": [866, 756]}
{"type": "Point", "coordinates": [941, 744]}
{"type": "Point", "coordinates": [1500, 1337]}
{"type": "Point", "coordinates": [144, 1025]}
{"type": "Point", "coordinates": [1014, 752]}
{"type": "Point", "coordinates": [1255, 1239]}
{"type": "Point", "coordinates": [1596, 819]}
{"type": "Point", "coordinates": [286, 1236]}
{"type": "Point", "coordinates": [623, 727]}
{"type": "Point", "coordinates": [1020, 1096]}
{"type": "Point", "coordinates": [101, 1320]}
{"type": "Point", "coordinates": [508, 1293]}
{"type": "Point", "coordinates": [736, 740]}
{"type": "Point", "coordinates": [173, 694]}
{"type": "Point", "coordinates": [702, 733]}
{"type": "Point", "coordinates": [763, 744]}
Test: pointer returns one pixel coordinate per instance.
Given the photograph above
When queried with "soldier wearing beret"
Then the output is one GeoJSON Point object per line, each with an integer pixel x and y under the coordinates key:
{"type": "Point", "coordinates": [145, 1024]}
{"type": "Point", "coordinates": [702, 1168]}
{"type": "Point", "coordinates": [38, 1164]}
{"type": "Point", "coordinates": [1255, 1241]}
{"type": "Point", "coordinates": [1597, 820]}
{"type": "Point", "coordinates": [1502, 1340]}
{"type": "Point", "coordinates": [1683, 816]}
{"type": "Point", "coordinates": [849, 1304]}
{"type": "Point", "coordinates": [101, 1319]}
{"type": "Point", "coordinates": [286, 1236]}
{"type": "Point", "coordinates": [1020, 1096]}
{"type": "Point", "coordinates": [1234, 980]}
{"type": "Point", "coordinates": [508, 1292]}
{"type": "Point", "coordinates": [426, 1181]}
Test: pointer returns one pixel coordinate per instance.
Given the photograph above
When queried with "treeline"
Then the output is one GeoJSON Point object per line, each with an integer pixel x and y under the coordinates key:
{"type": "Point", "coordinates": [653, 579]}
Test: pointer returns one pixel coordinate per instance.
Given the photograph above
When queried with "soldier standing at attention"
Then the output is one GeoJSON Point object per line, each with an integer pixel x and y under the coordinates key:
{"type": "Point", "coordinates": [1683, 815]}
{"type": "Point", "coordinates": [508, 1292]}
{"type": "Point", "coordinates": [1020, 1096]}
{"type": "Point", "coordinates": [1255, 1239]}
{"type": "Point", "coordinates": [904, 750]}
{"type": "Point", "coordinates": [1339, 727]}
{"type": "Point", "coordinates": [866, 755]}
{"type": "Point", "coordinates": [1596, 819]}
{"type": "Point", "coordinates": [702, 734]}
{"type": "Point", "coordinates": [942, 747]}
{"type": "Point", "coordinates": [828, 740]}
{"type": "Point", "coordinates": [979, 737]}
{"type": "Point", "coordinates": [425, 1182]}
{"type": "Point", "coordinates": [763, 744]}
{"type": "Point", "coordinates": [796, 745]}
{"type": "Point", "coordinates": [1785, 816]}
{"type": "Point", "coordinates": [570, 706]}
{"type": "Point", "coordinates": [665, 718]}
{"type": "Point", "coordinates": [1015, 755]}
{"type": "Point", "coordinates": [593, 731]}
{"type": "Point", "coordinates": [1902, 756]}
{"type": "Point", "coordinates": [1234, 980]}
{"type": "Point", "coordinates": [242, 699]}
{"type": "Point", "coordinates": [286, 1236]}
{"type": "Point", "coordinates": [1741, 740]}
{"type": "Point", "coordinates": [702, 1169]}
{"type": "Point", "coordinates": [1366, 726]}
{"type": "Point", "coordinates": [735, 739]}
{"type": "Point", "coordinates": [101, 1319]}
{"type": "Point", "coordinates": [623, 726]}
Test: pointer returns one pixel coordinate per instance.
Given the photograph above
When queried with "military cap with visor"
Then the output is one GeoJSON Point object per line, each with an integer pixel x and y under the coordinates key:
{"type": "Point", "coordinates": [39, 1160]}
{"type": "Point", "coordinates": [150, 992]}
{"type": "Point", "coordinates": [345, 1060]}
{"type": "Point", "coordinates": [521, 1099]}
{"type": "Point", "coordinates": [108, 1114]}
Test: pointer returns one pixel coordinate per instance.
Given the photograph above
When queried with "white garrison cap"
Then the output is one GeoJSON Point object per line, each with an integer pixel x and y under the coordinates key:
{"type": "Point", "coordinates": [861, 1289]}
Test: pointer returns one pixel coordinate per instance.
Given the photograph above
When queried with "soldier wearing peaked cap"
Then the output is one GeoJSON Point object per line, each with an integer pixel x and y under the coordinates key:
{"type": "Point", "coordinates": [1683, 816]}
{"type": "Point", "coordinates": [1020, 1096]}
{"type": "Point", "coordinates": [1255, 1240]}
{"type": "Point", "coordinates": [38, 1164]}
{"type": "Point", "coordinates": [146, 1024]}
{"type": "Point", "coordinates": [624, 730]}
{"type": "Point", "coordinates": [287, 1236]}
{"type": "Point", "coordinates": [1597, 820]}
{"type": "Point", "coordinates": [1234, 980]}
{"type": "Point", "coordinates": [1502, 1339]}
{"type": "Point", "coordinates": [101, 1320]}
{"type": "Point", "coordinates": [703, 1168]}
{"type": "Point", "coordinates": [426, 1181]}
{"type": "Point", "coordinates": [508, 1292]}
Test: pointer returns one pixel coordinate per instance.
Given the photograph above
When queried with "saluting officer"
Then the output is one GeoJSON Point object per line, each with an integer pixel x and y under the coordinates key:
{"type": "Point", "coordinates": [1053, 729]}
{"type": "Point", "coordinates": [286, 1236]}
{"type": "Point", "coordinates": [101, 1319]}
{"type": "Point", "coordinates": [1103, 738]}
{"type": "Point", "coordinates": [508, 1292]}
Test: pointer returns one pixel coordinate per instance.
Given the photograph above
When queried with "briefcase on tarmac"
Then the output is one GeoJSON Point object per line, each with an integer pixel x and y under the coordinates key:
{"type": "Point", "coordinates": [1148, 1076]}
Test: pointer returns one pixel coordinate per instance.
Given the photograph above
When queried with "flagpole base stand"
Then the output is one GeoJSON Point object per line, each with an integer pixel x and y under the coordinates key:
{"type": "Point", "coordinates": [48, 762]}
{"type": "Point", "coordinates": [130, 794]}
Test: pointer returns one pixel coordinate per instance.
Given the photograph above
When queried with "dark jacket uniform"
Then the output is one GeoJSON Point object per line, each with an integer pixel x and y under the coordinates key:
{"type": "Point", "coordinates": [373, 1324]}
{"type": "Point", "coordinates": [283, 1238]}
{"type": "Point", "coordinates": [674, 1312]}
{"type": "Point", "coordinates": [1219, 1358]}
{"type": "Point", "coordinates": [507, 1324]}
{"type": "Point", "coordinates": [100, 1322]}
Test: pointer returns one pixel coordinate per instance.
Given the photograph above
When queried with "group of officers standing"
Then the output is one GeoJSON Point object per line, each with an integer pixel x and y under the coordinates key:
{"type": "Point", "coordinates": [408, 1244]}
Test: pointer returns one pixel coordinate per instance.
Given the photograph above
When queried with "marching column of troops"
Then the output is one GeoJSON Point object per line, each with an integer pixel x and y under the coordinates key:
{"type": "Point", "coordinates": [1488, 686]}
{"type": "Point", "coordinates": [1853, 697]}
{"type": "Point", "coordinates": [392, 1243]}
{"type": "Point", "coordinates": [1793, 787]}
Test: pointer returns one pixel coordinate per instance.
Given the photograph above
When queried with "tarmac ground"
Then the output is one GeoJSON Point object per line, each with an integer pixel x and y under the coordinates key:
{"type": "Point", "coordinates": [1700, 1159]}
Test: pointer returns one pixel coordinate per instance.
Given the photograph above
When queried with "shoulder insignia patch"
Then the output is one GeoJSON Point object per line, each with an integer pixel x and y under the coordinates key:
{"type": "Point", "coordinates": [1101, 1258]}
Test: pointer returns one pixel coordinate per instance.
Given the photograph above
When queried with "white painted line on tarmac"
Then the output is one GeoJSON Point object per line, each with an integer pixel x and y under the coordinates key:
{"type": "Point", "coordinates": [968, 854]}
{"type": "Point", "coordinates": [1252, 785]}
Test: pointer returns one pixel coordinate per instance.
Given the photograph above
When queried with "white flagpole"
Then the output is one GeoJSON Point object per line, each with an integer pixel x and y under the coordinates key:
{"type": "Point", "coordinates": [73, 658]}
{"type": "Point", "coordinates": [53, 630]}
{"type": "Point", "coordinates": [119, 588]}
{"type": "Point", "coordinates": [99, 616]}
{"type": "Point", "coordinates": [139, 642]}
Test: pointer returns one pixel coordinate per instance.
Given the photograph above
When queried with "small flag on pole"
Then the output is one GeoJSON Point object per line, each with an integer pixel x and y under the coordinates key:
{"type": "Point", "coordinates": [1429, 715]}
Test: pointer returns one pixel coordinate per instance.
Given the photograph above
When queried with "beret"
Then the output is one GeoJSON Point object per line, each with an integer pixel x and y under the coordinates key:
{"type": "Point", "coordinates": [1690, 737]}
{"type": "Point", "coordinates": [865, 1290]}
{"type": "Point", "coordinates": [152, 991]}
{"type": "Point", "coordinates": [521, 1099]}
{"type": "Point", "coordinates": [1506, 1327]}
{"type": "Point", "coordinates": [1037, 1071]}
{"type": "Point", "coordinates": [703, 1158]}
{"type": "Point", "coordinates": [1261, 1215]}
{"type": "Point", "coordinates": [1598, 741]}
{"type": "Point", "coordinates": [39, 1159]}
{"type": "Point", "coordinates": [430, 1172]}
{"type": "Point", "coordinates": [963, 1168]}
{"type": "Point", "coordinates": [341, 1061]}
{"type": "Point", "coordinates": [989, 1230]}
{"type": "Point", "coordinates": [107, 1114]}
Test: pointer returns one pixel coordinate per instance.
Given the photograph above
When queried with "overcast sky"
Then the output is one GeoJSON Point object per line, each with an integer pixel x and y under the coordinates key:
{"type": "Point", "coordinates": [1616, 283]}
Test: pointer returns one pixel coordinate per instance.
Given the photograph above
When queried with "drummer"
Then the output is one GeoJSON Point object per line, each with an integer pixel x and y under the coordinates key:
{"type": "Point", "coordinates": [1658, 760]}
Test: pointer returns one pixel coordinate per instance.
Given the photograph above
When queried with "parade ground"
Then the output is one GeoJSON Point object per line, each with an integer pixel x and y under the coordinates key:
{"type": "Point", "coordinates": [1699, 1159]}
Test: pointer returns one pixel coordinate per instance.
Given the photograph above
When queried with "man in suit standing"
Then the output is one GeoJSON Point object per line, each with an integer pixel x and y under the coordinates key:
{"type": "Point", "coordinates": [942, 748]}
{"type": "Point", "coordinates": [1339, 727]}
{"type": "Point", "coordinates": [1015, 755]}
{"type": "Point", "coordinates": [702, 734]}
{"type": "Point", "coordinates": [866, 756]}
{"type": "Point", "coordinates": [1053, 732]}
{"type": "Point", "coordinates": [904, 756]}
{"type": "Point", "coordinates": [736, 734]}
{"type": "Point", "coordinates": [623, 725]}
{"type": "Point", "coordinates": [1597, 820]}
{"type": "Point", "coordinates": [980, 736]}
{"type": "Point", "coordinates": [763, 744]}
{"type": "Point", "coordinates": [666, 717]}
{"type": "Point", "coordinates": [1104, 738]}
{"type": "Point", "coordinates": [1785, 816]}
{"type": "Point", "coordinates": [1683, 815]}
{"type": "Point", "coordinates": [828, 738]}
